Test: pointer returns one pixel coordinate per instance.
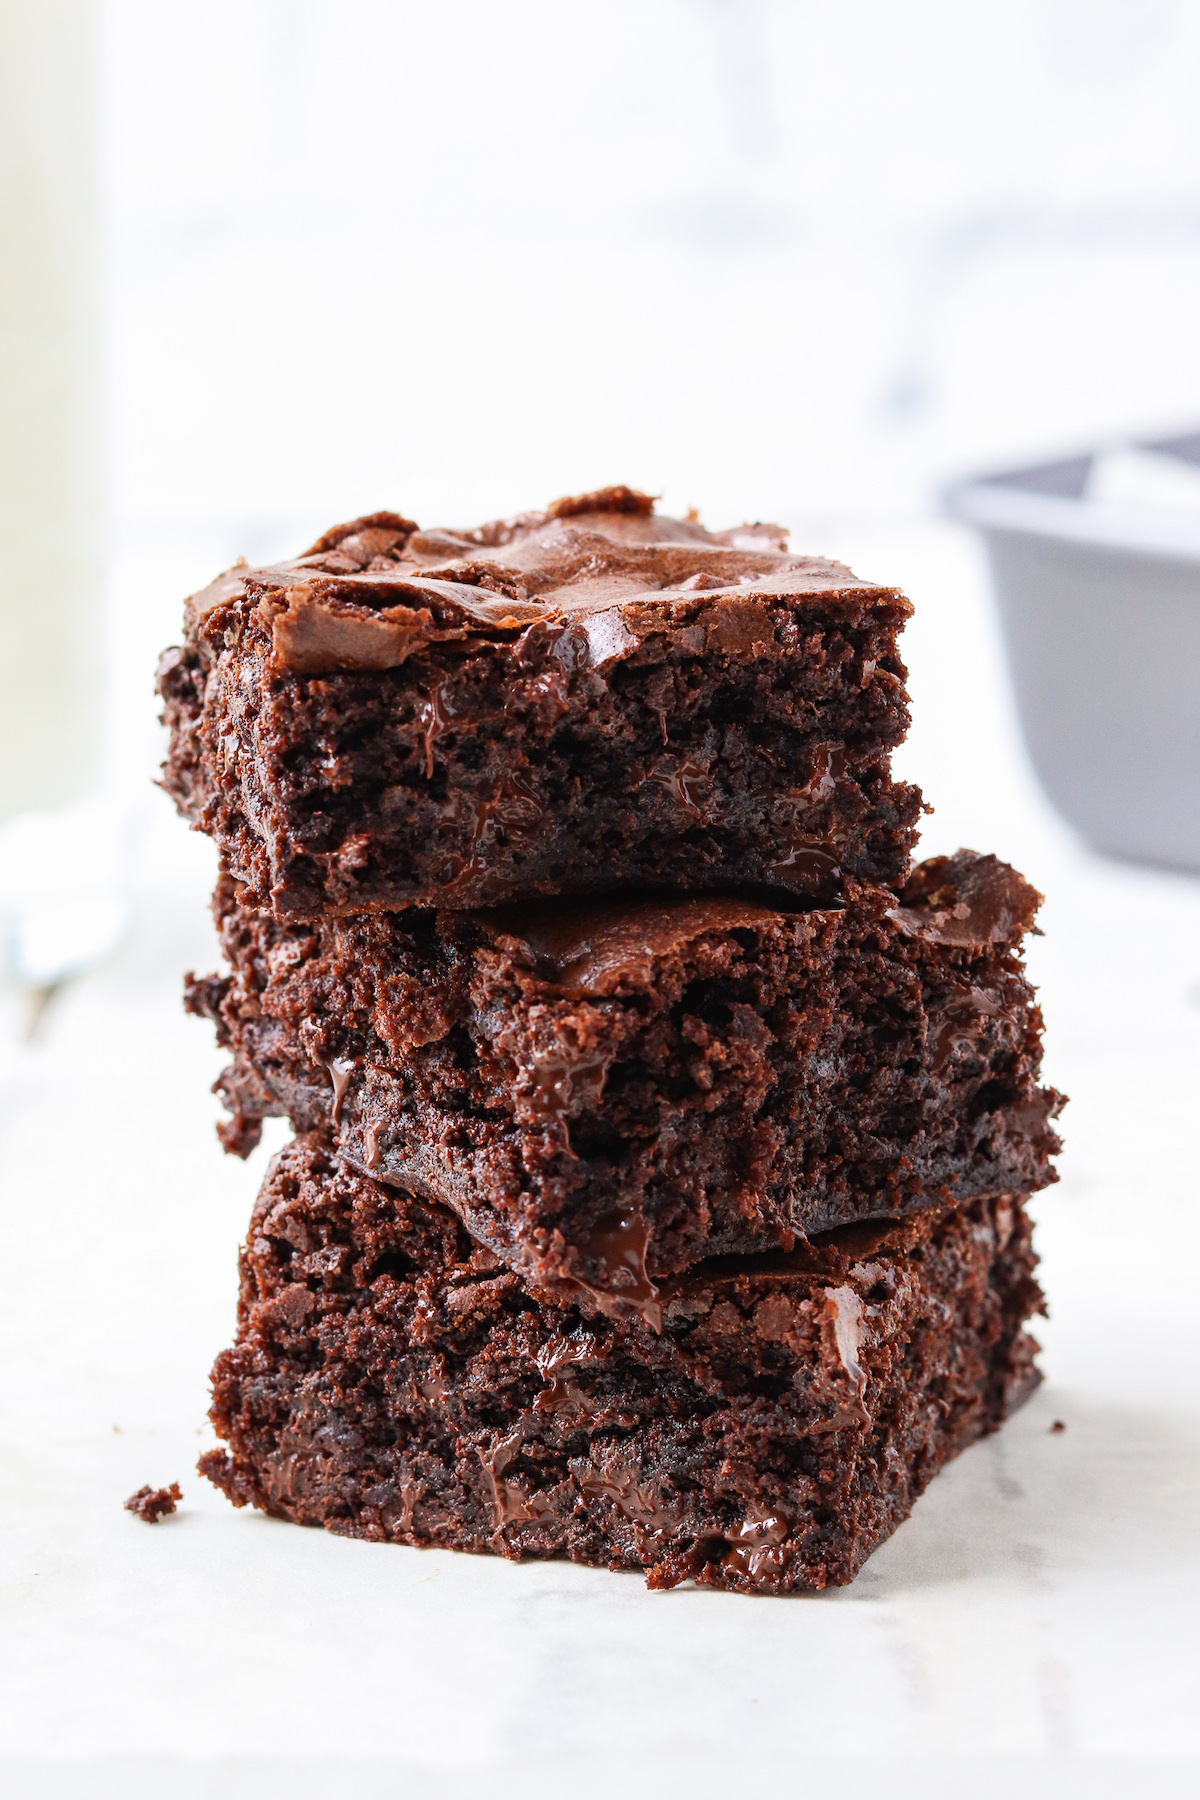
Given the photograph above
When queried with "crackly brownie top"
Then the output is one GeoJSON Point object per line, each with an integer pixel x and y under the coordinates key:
{"type": "Point", "coordinates": [370, 592]}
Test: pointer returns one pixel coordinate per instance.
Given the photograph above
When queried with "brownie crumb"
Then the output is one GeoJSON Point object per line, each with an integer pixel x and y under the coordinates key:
{"type": "Point", "coordinates": [1059, 1425]}
{"type": "Point", "coordinates": [153, 1504]}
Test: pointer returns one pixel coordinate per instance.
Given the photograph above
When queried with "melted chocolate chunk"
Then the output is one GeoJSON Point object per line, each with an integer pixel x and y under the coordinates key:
{"type": "Point", "coordinates": [617, 1244]}
{"type": "Point", "coordinates": [608, 946]}
{"type": "Point", "coordinates": [964, 1023]}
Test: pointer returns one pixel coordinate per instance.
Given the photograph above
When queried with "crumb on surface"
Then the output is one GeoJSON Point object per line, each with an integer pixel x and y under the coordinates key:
{"type": "Point", "coordinates": [1059, 1425]}
{"type": "Point", "coordinates": [152, 1504]}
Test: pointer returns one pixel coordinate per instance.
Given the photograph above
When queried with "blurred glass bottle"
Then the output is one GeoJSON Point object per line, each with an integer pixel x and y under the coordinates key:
{"type": "Point", "coordinates": [51, 665]}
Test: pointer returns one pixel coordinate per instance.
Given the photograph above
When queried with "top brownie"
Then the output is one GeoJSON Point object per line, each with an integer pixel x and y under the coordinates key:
{"type": "Point", "coordinates": [562, 702]}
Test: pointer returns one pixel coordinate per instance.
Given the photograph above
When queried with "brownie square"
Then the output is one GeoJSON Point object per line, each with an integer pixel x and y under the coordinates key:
{"type": "Point", "coordinates": [608, 1092]}
{"type": "Point", "coordinates": [392, 1380]}
{"type": "Point", "coordinates": [564, 702]}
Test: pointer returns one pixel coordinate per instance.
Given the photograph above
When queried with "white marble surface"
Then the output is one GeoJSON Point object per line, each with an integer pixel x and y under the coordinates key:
{"type": "Point", "coordinates": [1033, 1624]}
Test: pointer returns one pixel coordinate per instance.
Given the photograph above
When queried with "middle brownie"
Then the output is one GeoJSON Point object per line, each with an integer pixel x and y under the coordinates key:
{"type": "Point", "coordinates": [608, 1092]}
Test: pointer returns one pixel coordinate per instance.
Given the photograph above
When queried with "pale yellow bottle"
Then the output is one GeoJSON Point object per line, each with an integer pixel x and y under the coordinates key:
{"type": "Point", "coordinates": [51, 636]}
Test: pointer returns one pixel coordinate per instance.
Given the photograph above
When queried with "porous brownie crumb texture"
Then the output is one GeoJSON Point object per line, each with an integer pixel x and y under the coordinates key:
{"type": "Point", "coordinates": [559, 703]}
{"type": "Point", "coordinates": [153, 1504]}
{"type": "Point", "coordinates": [611, 1094]}
{"type": "Point", "coordinates": [391, 1380]}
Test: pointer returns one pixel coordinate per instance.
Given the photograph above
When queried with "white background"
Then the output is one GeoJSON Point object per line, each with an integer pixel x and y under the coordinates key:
{"type": "Point", "coordinates": [765, 254]}
{"type": "Point", "coordinates": [784, 260]}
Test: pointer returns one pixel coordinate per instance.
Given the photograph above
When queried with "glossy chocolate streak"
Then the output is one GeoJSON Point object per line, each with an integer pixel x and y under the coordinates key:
{"type": "Point", "coordinates": [624, 1489]}
{"type": "Point", "coordinates": [563, 1396]}
{"type": "Point", "coordinates": [829, 766]}
{"type": "Point", "coordinates": [507, 1503]}
{"type": "Point", "coordinates": [512, 1502]}
{"type": "Point", "coordinates": [560, 1362]}
{"type": "Point", "coordinates": [512, 807]}
{"type": "Point", "coordinates": [845, 1310]}
{"type": "Point", "coordinates": [809, 853]}
{"type": "Point", "coordinates": [563, 1081]}
{"type": "Point", "coordinates": [684, 784]}
{"type": "Point", "coordinates": [815, 1257]}
{"type": "Point", "coordinates": [597, 947]}
{"type": "Point", "coordinates": [820, 861]}
{"type": "Point", "coordinates": [372, 1154]}
{"type": "Point", "coordinates": [755, 1546]}
{"type": "Point", "coordinates": [965, 1023]}
{"type": "Point", "coordinates": [619, 1243]}
{"type": "Point", "coordinates": [341, 1070]}
{"type": "Point", "coordinates": [435, 715]}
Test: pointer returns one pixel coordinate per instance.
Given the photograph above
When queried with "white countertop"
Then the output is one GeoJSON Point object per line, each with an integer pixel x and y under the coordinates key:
{"type": "Point", "coordinates": [1035, 1623]}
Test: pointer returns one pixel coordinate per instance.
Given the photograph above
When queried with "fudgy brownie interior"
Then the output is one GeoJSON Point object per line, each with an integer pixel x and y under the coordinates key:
{"type": "Point", "coordinates": [607, 1093]}
{"type": "Point", "coordinates": [392, 1380]}
{"type": "Point", "coordinates": [564, 702]}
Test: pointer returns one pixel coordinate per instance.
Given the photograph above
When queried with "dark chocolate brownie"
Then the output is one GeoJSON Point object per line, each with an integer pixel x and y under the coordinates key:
{"type": "Point", "coordinates": [608, 1092]}
{"type": "Point", "coordinates": [391, 1380]}
{"type": "Point", "coordinates": [563, 702]}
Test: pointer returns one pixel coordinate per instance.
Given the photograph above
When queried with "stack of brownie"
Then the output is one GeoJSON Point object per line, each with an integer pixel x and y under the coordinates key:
{"type": "Point", "coordinates": [657, 1197]}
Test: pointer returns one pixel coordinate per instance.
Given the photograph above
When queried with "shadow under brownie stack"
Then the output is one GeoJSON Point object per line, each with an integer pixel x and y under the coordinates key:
{"type": "Point", "coordinates": [662, 1145]}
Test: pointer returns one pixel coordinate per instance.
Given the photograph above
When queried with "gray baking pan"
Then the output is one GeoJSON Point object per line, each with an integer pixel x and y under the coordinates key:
{"type": "Point", "coordinates": [1100, 608]}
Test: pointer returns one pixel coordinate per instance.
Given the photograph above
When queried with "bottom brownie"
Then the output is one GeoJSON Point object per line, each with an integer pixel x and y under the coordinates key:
{"type": "Point", "coordinates": [392, 1380]}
